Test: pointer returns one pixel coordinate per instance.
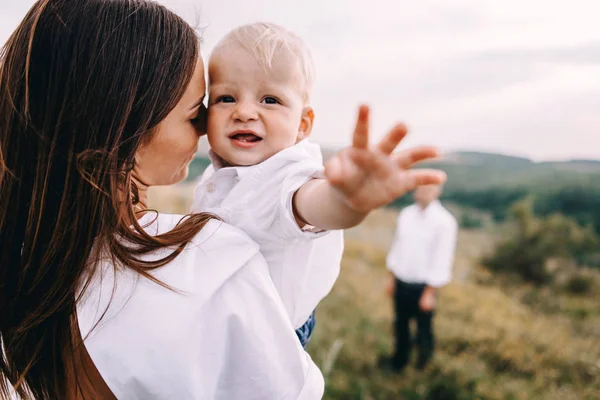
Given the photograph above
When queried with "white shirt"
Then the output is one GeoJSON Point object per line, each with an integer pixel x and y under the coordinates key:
{"type": "Point", "coordinates": [257, 199]}
{"type": "Point", "coordinates": [224, 335]}
{"type": "Point", "coordinates": [424, 245]}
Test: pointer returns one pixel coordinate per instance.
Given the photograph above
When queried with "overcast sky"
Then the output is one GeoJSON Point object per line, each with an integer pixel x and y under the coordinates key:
{"type": "Point", "coordinates": [513, 76]}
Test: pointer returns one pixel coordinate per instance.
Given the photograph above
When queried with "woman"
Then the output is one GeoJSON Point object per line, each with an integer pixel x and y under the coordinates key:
{"type": "Point", "coordinates": [100, 99]}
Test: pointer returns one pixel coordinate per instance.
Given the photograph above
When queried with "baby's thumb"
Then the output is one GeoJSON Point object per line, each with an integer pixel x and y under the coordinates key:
{"type": "Point", "coordinates": [333, 170]}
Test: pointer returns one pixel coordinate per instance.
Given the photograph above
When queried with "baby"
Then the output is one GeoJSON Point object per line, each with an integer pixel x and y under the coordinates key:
{"type": "Point", "coordinates": [267, 179]}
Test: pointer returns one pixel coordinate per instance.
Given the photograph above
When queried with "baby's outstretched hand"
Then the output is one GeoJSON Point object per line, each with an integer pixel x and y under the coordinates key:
{"type": "Point", "coordinates": [372, 177]}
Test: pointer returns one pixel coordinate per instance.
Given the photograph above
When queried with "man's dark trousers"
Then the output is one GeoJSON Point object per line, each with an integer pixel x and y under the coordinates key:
{"type": "Point", "coordinates": [406, 305]}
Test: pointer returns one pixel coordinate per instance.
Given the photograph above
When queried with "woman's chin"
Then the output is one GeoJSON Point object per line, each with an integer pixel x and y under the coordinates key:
{"type": "Point", "coordinates": [183, 174]}
{"type": "Point", "coordinates": [180, 176]}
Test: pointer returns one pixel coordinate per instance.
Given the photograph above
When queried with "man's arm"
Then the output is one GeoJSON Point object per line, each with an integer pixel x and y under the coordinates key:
{"type": "Point", "coordinates": [441, 266]}
{"type": "Point", "coordinates": [392, 258]}
{"type": "Point", "coordinates": [443, 256]}
{"type": "Point", "coordinates": [427, 300]}
{"type": "Point", "coordinates": [390, 284]}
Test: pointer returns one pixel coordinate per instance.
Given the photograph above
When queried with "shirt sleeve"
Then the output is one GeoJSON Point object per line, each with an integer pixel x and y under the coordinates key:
{"type": "Point", "coordinates": [299, 175]}
{"type": "Point", "coordinates": [267, 213]}
{"type": "Point", "coordinates": [443, 255]}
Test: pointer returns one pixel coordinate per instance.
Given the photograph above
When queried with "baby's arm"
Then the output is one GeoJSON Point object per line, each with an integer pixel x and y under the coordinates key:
{"type": "Point", "coordinates": [317, 203]}
{"type": "Point", "coordinates": [360, 179]}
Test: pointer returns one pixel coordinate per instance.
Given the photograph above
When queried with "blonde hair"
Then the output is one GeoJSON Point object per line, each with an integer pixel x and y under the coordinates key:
{"type": "Point", "coordinates": [266, 42]}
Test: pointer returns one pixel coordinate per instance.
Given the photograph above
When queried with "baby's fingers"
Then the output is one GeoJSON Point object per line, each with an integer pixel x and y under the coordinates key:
{"type": "Point", "coordinates": [392, 138]}
{"type": "Point", "coordinates": [411, 179]}
{"type": "Point", "coordinates": [407, 158]}
{"type": "Point", "coordinates": [360, 139]}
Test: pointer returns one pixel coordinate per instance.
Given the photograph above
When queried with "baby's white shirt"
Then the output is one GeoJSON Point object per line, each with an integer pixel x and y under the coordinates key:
{"type": "Point", "coordinates": [303, 263]}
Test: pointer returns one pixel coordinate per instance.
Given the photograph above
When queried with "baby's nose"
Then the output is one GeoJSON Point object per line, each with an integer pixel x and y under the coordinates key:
{"type": "Point", "coordinates": [245, 111]}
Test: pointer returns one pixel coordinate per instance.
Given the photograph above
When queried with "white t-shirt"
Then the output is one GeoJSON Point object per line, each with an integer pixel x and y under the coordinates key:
{"type": "Point", "coordinates": [223, 334]}
{"type": "Point", "coordinates": [258, 200]}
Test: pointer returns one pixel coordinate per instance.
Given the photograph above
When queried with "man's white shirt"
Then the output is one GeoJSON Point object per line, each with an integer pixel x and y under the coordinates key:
{"type": "Point", "coordinates": [424, 245]}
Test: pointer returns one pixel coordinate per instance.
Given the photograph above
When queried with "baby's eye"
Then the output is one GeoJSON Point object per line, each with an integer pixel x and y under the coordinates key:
{"type": "Point", "coordinates": [225, 99]}
{"type": "Point", "coordinates": [270, 100]}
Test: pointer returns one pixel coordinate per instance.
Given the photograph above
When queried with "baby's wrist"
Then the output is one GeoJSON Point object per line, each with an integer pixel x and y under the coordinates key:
{"type": "Point", "coordinates": [351, 210]}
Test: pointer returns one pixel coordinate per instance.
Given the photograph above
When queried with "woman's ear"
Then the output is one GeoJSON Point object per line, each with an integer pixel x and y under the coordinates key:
{"type": "Point", "coordinates": [306, 123]}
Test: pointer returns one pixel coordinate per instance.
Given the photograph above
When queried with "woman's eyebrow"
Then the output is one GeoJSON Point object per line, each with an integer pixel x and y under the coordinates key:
{"type": "Point", "coordinates": [196, 104]}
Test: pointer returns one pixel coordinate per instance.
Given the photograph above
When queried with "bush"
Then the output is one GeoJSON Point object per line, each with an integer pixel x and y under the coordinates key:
{"type": "Point", "coordinates": [534, 240]}
{"type": "Point", "coordinates": [591, 260]}
{"type": "Point", "coordinates": [579, 284]}
{"type": "Point", "coordinates": [470, 221]}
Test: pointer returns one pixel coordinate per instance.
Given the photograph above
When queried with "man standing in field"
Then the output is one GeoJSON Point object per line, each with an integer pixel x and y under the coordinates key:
{"type": "Point", "coordinates": [420, 261]}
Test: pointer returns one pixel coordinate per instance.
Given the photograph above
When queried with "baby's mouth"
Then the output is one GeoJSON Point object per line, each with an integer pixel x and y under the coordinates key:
{"type": "Point", "coordinates": [245, 137]}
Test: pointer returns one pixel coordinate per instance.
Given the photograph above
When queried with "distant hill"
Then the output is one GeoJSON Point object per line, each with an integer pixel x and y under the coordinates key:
{"type": "Point", "coordinates": [468, 170]}
{"type": "Point", "coordinates": [511, 162]}
{"type": "Point", "coordinates": [493, 182]}
{"type": "Point", "coordinates": [478, 171]}
{"type": "Point", "coordinates": [474, 158]}
{"type": "Point", "coordinates": [585, 166]}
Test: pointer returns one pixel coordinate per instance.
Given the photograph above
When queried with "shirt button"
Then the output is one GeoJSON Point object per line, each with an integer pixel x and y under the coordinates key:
{"type": "Point", "coordinates": [210, 187]}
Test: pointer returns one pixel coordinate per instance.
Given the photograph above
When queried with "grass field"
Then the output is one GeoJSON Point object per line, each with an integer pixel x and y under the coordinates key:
{"type": "Point", "coordinates": [496, 339]}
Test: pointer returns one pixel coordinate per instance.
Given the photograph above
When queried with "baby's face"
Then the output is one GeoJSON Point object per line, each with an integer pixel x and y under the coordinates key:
{"type": "Point", "coordinates": [253, 113]}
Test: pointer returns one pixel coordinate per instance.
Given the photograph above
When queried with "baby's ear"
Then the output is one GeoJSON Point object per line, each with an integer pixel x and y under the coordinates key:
{"type": "Point", "coordinates": [306, 123]}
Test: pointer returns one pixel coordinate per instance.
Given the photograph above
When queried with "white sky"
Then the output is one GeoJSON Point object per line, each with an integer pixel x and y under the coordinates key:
{"type": "Point", "coordinates": [512, 76]}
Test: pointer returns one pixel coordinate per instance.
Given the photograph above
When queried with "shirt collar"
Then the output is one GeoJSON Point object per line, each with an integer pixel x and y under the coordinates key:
{"type": "Point", "coordinates": [303, 147]}
{"type": "Point", "coordinates": [431, 207]}
{"type": "Point", "coordinates": [218, 163]}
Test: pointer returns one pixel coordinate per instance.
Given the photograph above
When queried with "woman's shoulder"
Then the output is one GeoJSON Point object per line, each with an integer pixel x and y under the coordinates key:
{"type": "Point", "coordinates": [215, 231]}
{"type": "Point", "coordinates": [217, 241]}
{"type": "Point", "coordinates": [207, 263]}
{"type": "Point", "coordinates": [209, 260]}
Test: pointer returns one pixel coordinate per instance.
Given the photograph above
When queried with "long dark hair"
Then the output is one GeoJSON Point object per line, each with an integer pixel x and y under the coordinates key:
{"type": "Point", "coordinates": [83, 83]}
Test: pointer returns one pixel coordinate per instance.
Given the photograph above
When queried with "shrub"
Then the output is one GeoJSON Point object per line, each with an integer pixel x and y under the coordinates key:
{"type": "Point", "coordinates": [534, 240]}
{"type": "Point", "coordinates": [470, 221]}
{"type": "Point", "coordinates": [579, 284]}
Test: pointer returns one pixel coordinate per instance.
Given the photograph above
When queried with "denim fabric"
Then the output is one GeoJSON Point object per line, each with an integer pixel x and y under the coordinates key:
{"type": "Point", "coordinates": [305, 331]}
